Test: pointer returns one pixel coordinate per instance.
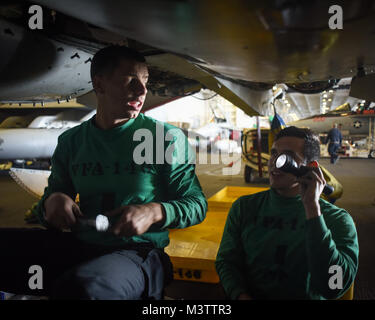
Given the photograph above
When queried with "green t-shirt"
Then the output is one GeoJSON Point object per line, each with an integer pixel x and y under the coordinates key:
{"type": "Point", "coordinates": [271, 251]}
{"type": "Point", "coordinates": [142, 161]}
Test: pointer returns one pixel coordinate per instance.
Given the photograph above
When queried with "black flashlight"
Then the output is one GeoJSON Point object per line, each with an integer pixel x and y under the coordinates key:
{"type": "Point", "coordinates": [286, 163]}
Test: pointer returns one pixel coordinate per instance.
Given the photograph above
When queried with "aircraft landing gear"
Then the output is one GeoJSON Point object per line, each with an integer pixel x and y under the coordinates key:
{"type": "Point", "coordinates": [248, 174]}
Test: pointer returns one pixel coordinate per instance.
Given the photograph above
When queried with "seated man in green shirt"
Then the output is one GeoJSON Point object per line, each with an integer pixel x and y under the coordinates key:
{"type": "Point", "coordinates": [287, 242]}
{"type": "Point", "coordinates": [137, 171]}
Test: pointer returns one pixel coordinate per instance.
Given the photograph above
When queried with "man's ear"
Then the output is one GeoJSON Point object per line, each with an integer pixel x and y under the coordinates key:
{"type": "Point", "coordinates": [98, 84]}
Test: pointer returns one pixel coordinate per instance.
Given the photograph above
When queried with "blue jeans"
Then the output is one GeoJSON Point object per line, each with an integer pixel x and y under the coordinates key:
{"type": "Point", "coordinates": [332, 150]}
{"type": "Point", "coordinates": [75, 270]}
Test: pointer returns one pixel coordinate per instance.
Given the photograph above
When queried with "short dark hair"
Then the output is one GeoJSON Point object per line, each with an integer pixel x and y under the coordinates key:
{"type": "Point", "coordinates": [312, 143]}
{"type": "Point", "coordinates": [108, 58]}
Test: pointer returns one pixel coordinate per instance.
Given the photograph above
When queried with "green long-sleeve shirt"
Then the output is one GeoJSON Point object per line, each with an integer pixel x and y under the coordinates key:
{"type": "Point", "coordinates": [142, 161]}
{"type": "Point", "coordinates": [271, 251]}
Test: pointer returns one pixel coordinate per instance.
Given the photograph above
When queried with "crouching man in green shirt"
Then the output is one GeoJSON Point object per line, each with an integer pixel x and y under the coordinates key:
{"type": "Point", "coordinates": [287, 242]}
{"type": "Point", "coordinates": [137, 171]}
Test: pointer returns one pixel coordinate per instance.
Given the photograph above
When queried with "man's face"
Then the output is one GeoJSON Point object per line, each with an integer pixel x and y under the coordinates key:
{"type": "Point", "coordinates": [279, 180]}
{"type": "Point", "coordinates": [123, 91]}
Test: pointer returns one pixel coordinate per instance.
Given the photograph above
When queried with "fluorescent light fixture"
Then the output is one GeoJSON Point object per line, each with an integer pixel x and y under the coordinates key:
{"type": "Point", "coordinates": [294, 116]}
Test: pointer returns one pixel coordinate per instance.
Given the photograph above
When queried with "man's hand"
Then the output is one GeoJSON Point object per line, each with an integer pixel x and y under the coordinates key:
{"type": "Point", "coordinates": [311, 187]}
{"type": "Point", "coordinates": [61, 211]}
{"type": "Point", "coordinates": [136, 219]}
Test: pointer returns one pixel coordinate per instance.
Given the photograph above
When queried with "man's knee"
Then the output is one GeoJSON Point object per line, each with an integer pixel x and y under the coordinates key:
{"type": "Point", "coordinates": [76, 285]}
{"type": "Point", "coordinates": [123, 275]}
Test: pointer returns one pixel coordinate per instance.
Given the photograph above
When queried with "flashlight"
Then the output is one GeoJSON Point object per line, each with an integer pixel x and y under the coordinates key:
{"type": "Point", "coordinates": [286, 163]}
{"type": "Point", "coordinates": [100, 223]}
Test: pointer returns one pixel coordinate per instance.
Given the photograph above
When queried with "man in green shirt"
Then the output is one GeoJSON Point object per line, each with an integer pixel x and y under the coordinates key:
{"type": "Point", "coordinates": [287, 242]}
{"type": "Point", "coordinates": [137, 171]}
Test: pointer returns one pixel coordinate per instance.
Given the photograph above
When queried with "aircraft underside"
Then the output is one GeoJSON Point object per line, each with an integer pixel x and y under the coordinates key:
{"type": "Point", "coordinates": [239, 49]}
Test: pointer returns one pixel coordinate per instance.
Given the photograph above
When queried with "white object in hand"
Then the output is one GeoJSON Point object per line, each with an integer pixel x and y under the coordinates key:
{"type": "Point", "coordinates": [100, 223]}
